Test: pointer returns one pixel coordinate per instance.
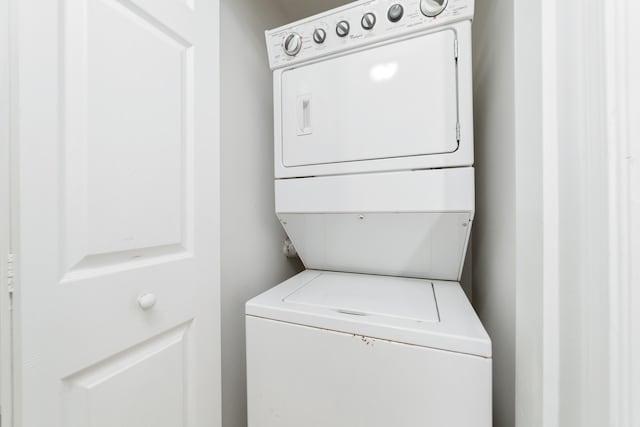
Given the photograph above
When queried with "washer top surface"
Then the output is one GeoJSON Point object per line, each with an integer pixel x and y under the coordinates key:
{"type": "Point", "coordinates": [367, 295]}
{"type": "Point", "coordinates": [426, 313]}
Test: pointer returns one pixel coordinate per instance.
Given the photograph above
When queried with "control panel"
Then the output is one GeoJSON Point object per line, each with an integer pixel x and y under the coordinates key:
{"type": "Point", "coordinates": [358, 24]}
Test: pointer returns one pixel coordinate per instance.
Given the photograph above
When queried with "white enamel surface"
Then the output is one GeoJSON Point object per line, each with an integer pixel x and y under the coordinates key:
{"type": "Point", "coordinates": [411, 224]}
{"type": "Point", "coordinates": [429, 245]}
{"type": "Point", "coordinates": [442, 190]}
{"type": "Point", "coordinates": [395, 100]}
{"type": "Point", "coordinates": [375, 113]}
{"type": "Point", "coordinates": [458, 329]}
{"type": "Point", "coordinates": [364, 295]}
{"type": "Point", "coordinates": [305, 376]}
{"type": "Point", "coordinates": [117, 183]}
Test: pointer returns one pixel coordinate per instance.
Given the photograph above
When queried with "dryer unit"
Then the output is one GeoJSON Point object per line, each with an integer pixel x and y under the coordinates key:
{"type": "Point", "coordinates": [375, 188]}
{"type": "Point", "coordinates": [397, 96]}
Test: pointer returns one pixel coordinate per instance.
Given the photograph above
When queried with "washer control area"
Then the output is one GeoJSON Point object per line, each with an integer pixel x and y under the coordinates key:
{"type": "Point", "coordinates": [359, 24]}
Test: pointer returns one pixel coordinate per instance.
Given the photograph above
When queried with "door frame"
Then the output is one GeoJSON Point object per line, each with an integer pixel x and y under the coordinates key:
{"type": "Point", "coordinates": [589, 41]}
{"type": "Point", "coordinates": [6, 229]}
{"type": "Point", "coordinates": [623, 100]}
{"type": "Point", "coordinates": [7, 235]}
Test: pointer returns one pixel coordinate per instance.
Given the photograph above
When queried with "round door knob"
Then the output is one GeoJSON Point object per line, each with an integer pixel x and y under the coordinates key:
{"type": "Point", "coordinates": [319, 35]}
{"type": "Point", "coordinates": [433, 8]}
{"type": "Point", "coordinates": [395, 12]}
{"type": "Point", "coordinates": [147, 301]}
{"type": "Point", "coordinates": [292, 44]}
{"type": "Point", "coordinates": [368, 21]}
{"type": "Point", "coordinates": [343, 28]}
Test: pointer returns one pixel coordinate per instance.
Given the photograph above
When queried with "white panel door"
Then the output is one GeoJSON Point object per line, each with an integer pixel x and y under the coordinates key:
{"type": "Point", "coordinates": [117, 304]}
{"type": "Point", "coordinates": [395, 100]}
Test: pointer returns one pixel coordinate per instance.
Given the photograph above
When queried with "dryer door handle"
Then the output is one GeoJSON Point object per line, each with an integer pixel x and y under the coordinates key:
{"type": "Point", "coordinates": [304, 115]}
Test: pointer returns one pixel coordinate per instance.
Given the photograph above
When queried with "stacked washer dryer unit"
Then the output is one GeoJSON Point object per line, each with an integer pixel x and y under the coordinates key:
{"type": "Point", "coordinates": [375, 187]}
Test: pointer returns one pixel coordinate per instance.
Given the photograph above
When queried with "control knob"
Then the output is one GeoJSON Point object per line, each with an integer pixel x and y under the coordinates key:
{"type": "Point", "coordinates": [368, 21]}
{"type": "Point", "coordinates": [343, 28]}
{"type": "Point", "coordinates": [292, 44]}
{"type": "Point", "coordinates": [433, 8]}
{"type": "Point", "coordinates": [395, 12]}
{"type": "Point", "coordinates": [319, 35]}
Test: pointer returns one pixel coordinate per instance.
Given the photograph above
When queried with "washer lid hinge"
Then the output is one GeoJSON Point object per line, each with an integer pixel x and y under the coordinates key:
{"type": "Point", "coordinates": [458, 131]}
{"type": "Point", "coordinates": [456, 49]}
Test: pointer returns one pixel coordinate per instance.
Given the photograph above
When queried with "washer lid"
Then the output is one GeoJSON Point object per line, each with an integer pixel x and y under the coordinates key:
{"type": "Point", "coordinates": [366, 295]}
{"type": "Point", "coordinates": [418, 312]}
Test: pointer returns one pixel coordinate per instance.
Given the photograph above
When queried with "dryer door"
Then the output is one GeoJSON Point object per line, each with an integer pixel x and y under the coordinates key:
{"type": "Point", "coordinates": [394, 100]}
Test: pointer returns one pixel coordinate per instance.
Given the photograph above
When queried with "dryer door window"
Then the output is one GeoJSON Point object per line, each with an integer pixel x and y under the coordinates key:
{"type": "Point", "coordinates": [395, 100]}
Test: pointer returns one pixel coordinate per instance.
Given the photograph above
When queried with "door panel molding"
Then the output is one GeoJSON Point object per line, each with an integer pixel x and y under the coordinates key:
{"type": "Point", "coordinates": [100, 385]}
{"type": "Point", "coordinates": [102, 149]}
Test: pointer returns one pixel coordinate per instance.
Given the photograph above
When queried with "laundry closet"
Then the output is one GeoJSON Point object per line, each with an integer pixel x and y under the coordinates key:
{"type": "Point", "coordinates": [308, 203]}
{"type": "Point", "coordinates": [319, 213]}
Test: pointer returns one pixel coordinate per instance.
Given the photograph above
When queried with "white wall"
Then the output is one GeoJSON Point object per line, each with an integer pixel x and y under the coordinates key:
{"type": "Point", "coordinates": [623, 96]}
{"type": "Point", "coordinates": [494, 227]}
{"type": "Point", "coordinates": [634, 207]}
{"type": "Point", "coordinates": [252, 237]}
{"type": "Point", "coordinates": [583, 215]}
{"type": "Point", "coordinates": [529, 252]}
{"type": "Point", "coordinates": [297, 9]}
{"type": "Point", "coordinates": [634, 214]}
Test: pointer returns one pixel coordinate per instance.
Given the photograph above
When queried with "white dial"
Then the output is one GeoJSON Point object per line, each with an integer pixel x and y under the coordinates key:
{"type": "Point", "coordinates": [319, 35]}
{"type": "Point", "coordinates": [343, 28]}
{"type": "Point", "coordinates": [395, 12]}
{"type": "Point", "coordinates": [433, 8]}
{"type": "Point", "coordinates": [292, 44]}
{"type": "Point", "coordinates": [368, 21]}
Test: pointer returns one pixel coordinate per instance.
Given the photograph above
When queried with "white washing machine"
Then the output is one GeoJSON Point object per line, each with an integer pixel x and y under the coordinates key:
{"type": "Point", "coordinates": [375, 188]}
